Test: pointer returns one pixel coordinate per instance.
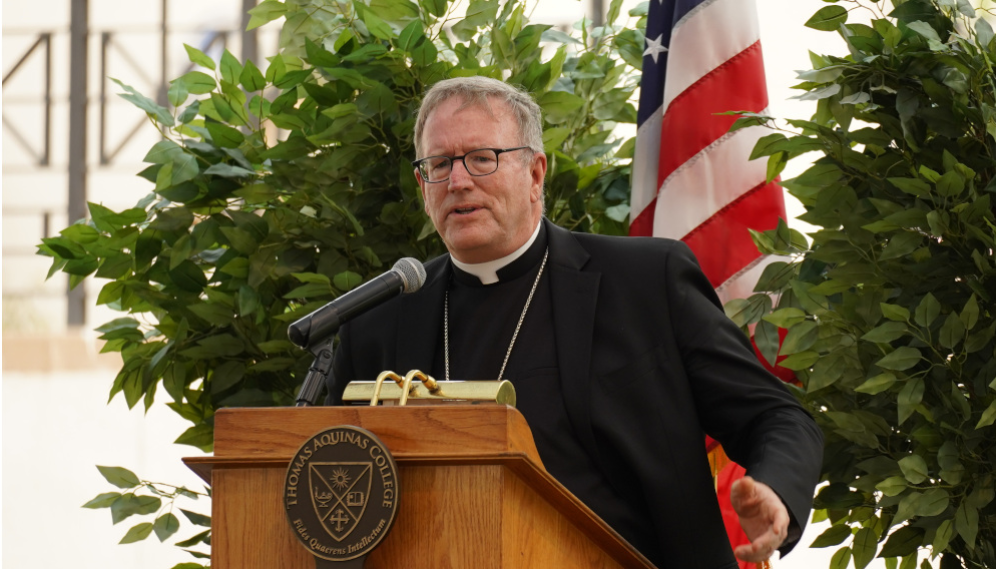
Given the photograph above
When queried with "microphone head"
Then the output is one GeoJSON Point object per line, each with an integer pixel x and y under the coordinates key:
{"type": "Point", "coordinates": [412, 273]}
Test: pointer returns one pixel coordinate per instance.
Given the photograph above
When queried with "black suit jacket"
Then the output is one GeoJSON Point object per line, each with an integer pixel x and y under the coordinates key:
{"type": "Point", "coordinates": [649, 362]}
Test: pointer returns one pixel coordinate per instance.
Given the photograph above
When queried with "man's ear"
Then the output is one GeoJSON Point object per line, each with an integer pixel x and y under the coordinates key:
{"type": "Point", "coordinates": [537, 174]}
{"type": "Point", "coordinates": [421, 185]}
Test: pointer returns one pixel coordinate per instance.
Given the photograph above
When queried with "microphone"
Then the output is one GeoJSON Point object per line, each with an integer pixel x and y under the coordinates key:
{"type": "Point", "coordinates": [407, 275]}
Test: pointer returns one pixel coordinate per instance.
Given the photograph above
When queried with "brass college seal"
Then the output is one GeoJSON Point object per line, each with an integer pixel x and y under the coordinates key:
{"type": "Point", "coordinates": [341, 493]}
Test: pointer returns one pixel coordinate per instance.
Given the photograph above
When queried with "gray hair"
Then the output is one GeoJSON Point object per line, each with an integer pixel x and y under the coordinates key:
{"type": "Point", "coordinates": [477, 91]}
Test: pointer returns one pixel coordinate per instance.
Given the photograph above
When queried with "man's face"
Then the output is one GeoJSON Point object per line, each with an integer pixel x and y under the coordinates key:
{"type": "Point", "coordinates": [482, 218]}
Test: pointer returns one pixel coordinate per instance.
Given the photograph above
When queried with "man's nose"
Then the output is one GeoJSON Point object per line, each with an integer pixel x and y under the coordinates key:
{"type": "Point", "coordinates": [459, 175]}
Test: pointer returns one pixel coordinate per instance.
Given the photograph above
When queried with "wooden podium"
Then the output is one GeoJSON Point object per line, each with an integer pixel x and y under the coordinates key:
{"type": "Point", "coordinates": [473, 492]}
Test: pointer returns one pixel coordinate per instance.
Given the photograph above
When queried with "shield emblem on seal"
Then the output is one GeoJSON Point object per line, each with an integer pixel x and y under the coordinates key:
{"type": "Point", "coordinates": [339, 492]}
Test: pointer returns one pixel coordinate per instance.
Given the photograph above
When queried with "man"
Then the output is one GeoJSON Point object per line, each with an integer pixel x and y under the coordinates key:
{"type": "Point", "coordinates": [618, 349]}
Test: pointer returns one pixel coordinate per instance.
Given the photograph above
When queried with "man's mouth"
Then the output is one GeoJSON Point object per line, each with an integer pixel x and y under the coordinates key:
{"type": "Point", "coordinates": [464, 210]}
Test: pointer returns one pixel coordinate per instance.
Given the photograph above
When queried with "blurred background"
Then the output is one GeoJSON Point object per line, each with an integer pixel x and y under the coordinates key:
{"type": "Point", "coordinates": [68, 139]}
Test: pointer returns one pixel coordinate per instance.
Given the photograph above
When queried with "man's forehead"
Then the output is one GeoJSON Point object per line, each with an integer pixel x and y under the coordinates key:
{"type": "Point", "coordinates": [496, 109]}
{"type": "Point", "coordinates": [493, 106]}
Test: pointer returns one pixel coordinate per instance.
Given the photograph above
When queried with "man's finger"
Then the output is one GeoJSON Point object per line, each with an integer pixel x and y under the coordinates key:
{"type": "Point", "coordinates": [761, 548]}
{"type": "Point", "coordinates": [743, 494]}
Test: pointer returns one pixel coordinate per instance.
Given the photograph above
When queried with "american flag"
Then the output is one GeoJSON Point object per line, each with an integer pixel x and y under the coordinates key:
{"type": "Point", "coordinates": [691, 179]}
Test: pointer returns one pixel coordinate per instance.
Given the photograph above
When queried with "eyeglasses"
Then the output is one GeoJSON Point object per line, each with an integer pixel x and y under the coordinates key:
{"type": "Point", "coordinates": [480, 162]}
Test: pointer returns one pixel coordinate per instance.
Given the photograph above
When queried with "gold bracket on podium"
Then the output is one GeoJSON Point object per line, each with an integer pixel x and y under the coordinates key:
{"type": "Point", "coordinates": [407, 391]}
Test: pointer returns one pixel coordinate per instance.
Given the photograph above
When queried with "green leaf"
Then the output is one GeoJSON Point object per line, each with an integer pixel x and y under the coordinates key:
{"type": "Point", "coordinates": [559, 106]}
{"type": "Point", "coordinates": [199, 57]}
{"type": "Point", "coordinates": [902, 542]}
{"type": "Point", "coordinates": [240, 239]}
{"type": "Point", "coordinates": [177, 94]}
{"type": "Point", "coordinates": [104, 500]}
{"type": "Point", "coordinates": [833, 535]}
{"type": "Point", "coordinates": [229, 171]}
{"type": "Point", "coordinates": [984, 32]}
{"type": "Point", "coordinates": [766, 339]}
{"type": "Point", "coordinates": [886, 332]}
{"type": "Point", "coordinates": [952, 332]}
{"type": "Point", "coordinates": [950, 184]}
{"type": "Point", "coordinates": [901, 244]}
{"type": "Point", "coordinates": [925, 30]}
{"type": "Point", "coordinates": [943, 536]}
{"type": "Point", "coordinates": [196, 82]}
{"type": "Point", "coordinates": [800, 337]}
{"type": "Point", "coordinates": [148, 504]}
{"type": "Point", "coordinates": [892, 486]}
{"type": "Point", "coordinates": [197, 519]}
{"type": "Point", "coordinates": [188, 276]}
{"type": "Point", "coordinates": [970, 313]}
{"type": "Point", "coordinates": [927, 311]}
{"type": "Point", "coordinates": [967, 523]}
{"type": "Point", "coordinates": [909, 397]}
{"type": "Point", "coordinates": [988, 416]}
{"type": "Point", "coordinates": [123, 507]}
{"type": "Point", "coordinates": [227, 375]}
{"type": "Point", "coordinates": [841, 558]}
{"type": "Point", "coordinates": [120, 477]}
{"type": "Point", "coordinates": [914, 468]}
{"type": "Point", "coordinates": [827, 19]}
{"type": "Point", "coordinates": [200, 436]}
{"type": "Point", "coordinates": [265, 12]}
{"type": "Point", "coordinates": [374, 23]}
{"type": "Point", "coordinates": [225, 345]}
{"type": "Point", "coordinates": [895, 312]}
{"type": "Point", "coordinates": [900, 359]}
{"type": "Point", "coordinates": [162, 152]}
{"type": "Point", "coordinates": [865, 545]}
{"type": "Point", "coordinates": [913, 186]}
{"type": "Point", "coordinates": [137, 533]}
{"type": "Point", "coordinates": [877, 384]}
{"type": "Point", "coordinates": [158, 113]}
{"type": "Point", "coordinates": [203, 537]}
{"type": "Point", "coordinates": [347, 280]}
{"type": "Point", "coordinates": [933, 502]}
{"type": "Point", "coordinates": [800, 361]}
{"type": "Point", "coordinates": [166, 525]}
{"type": "Point", "coordinates": [231, 69]}
{"type": "Point", "coordinates": [786, 317]}
{"type": "Point", "coordinates": [250, 78]}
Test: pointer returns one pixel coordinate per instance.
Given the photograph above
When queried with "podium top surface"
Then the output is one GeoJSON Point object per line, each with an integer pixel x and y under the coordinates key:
{"type": "Point", "coordinates": [428, 431]}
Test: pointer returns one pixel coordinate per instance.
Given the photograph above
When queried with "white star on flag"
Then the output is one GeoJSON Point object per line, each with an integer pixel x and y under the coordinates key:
{"type": "Point", "coordinates": [654, 47]}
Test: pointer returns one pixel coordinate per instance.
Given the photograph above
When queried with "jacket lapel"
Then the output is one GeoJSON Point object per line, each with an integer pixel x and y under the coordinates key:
{"type": "Point", "coordinates": [421, 318]}
{"type": "Point", "coordinates": [575, 298]}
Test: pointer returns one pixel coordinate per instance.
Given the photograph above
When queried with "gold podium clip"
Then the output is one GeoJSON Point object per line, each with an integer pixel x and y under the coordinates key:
{"type": "Point", "coordinates": [407, 391]}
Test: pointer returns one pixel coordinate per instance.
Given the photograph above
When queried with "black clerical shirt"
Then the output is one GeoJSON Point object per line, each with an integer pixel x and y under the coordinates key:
{"type": "Point", "coordinates": [482, 320]}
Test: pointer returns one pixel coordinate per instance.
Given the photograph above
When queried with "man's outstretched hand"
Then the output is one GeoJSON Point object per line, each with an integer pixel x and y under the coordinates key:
{"type": "Point", "coordinates": [763, 517]}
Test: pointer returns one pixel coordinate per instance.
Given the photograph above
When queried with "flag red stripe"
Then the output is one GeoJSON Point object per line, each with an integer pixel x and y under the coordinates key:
{"type": "Point", "coordinates": [723, 244]}
{"type": "Point", "coordinates": [643, 224]}
{"type": "Point", "coordinates": [690, 123]}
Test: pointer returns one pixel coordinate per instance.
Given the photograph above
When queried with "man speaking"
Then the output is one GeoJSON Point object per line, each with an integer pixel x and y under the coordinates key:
{"type": "Point", "coordinates": [621, 356]}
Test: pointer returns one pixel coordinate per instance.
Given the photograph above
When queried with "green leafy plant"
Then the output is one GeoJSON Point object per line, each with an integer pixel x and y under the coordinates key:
{"type": "Point", "coordinates": [145, 498]}
{"type": "Point", "coordinates": [889, 313]}
{"type": "Point", "coordinates": [277, 188]}
{"type": "Point", "coordinates": [276, 191]}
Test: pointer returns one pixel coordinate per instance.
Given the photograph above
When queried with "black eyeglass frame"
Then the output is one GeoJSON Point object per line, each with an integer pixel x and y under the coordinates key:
{"type": "Point", "coordinates": [417, 164]}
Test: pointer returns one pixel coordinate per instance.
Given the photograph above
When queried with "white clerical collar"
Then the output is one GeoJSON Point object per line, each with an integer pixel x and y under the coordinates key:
{"type": "Point", "coordinates": [488, 271]}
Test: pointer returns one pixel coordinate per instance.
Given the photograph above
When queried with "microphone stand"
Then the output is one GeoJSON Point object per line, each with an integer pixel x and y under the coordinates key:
{"type": "Point", "coordinates": [317, 373]}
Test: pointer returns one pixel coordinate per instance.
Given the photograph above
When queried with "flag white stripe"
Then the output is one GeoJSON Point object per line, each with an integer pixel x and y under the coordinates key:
{"type": "Point", "coordinates": [741, 285]}
{"type": "Point", "coordinates": [705, 39]}
{"type": "Point", "coordinates": [645, 158]}
{"type": "Point", "coordinates": [708, 182]}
